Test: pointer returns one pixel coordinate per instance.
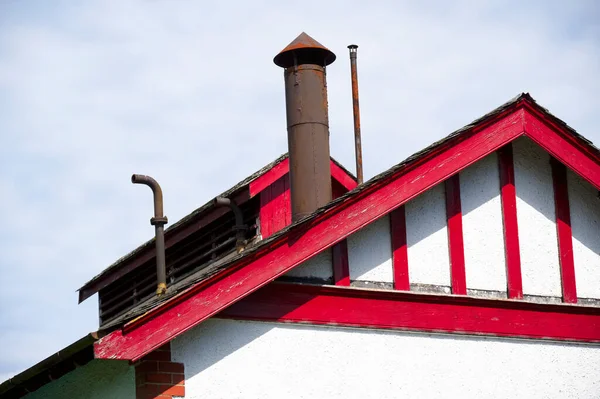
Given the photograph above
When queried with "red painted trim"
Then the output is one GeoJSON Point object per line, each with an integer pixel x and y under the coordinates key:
{"type": "Point", "coordinates": [261, 266]}
{"type": "Point", "coordinates": [564, 233]}
{"type": "Point", "coordinates": [456, 246]}
{"type": "Point", "coordinates": [508, 195]}
{"type": "Point", "coordinates": [283, 167]}
{"type": "Point", "coordinates": [275, 208]}
{"type": "Point", "coordinates": [352, 307]}
{"type": "Point", "coordinates": [562, 146]}
{"type": "Point", "coordinates": [341, 269]}
{"type": "Point", "coordinates": [342, 176]}
{"type": "Point", "coordinates": [399, 249]}
{"type": "Point", "coordinates": [270, 176]}
{"type": "Point", "coordinates": [265, 214]}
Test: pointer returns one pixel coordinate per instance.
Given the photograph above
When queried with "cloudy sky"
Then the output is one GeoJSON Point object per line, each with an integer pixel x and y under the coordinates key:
{"type": "Point", "coordinates": [186, 91]}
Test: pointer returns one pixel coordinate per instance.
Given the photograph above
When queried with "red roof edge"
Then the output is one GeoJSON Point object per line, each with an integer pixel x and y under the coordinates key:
{"type": "Point", "coordinates": [331, 224]}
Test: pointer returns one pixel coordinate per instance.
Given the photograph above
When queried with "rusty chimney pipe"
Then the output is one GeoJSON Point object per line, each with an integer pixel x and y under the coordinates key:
{"type": "Point", "coordinates": [356, 110]}
{"type": "Point", "coordinates": [305, 61]}
{"type": "Point", "coordinates": [158, 221]}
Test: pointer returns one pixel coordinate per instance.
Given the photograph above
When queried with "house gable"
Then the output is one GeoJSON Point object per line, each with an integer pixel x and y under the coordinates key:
{"type": "Point", "coordinates": [336, 222]}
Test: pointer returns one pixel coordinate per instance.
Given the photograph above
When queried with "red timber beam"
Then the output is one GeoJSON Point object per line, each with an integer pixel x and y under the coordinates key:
{"type": "Point", "coordinates": [305, 240]}
{"type": "Point", "coordinates": [341, 267]}
{"type": "Point", "coordinates": [508, 196]}
{"type": "Point", "coordinates": [564, 233]}
{"type": "Point", "coordinates": [565, 147]}
{"type": "Point", "coordinates": [455, 236]}
{"type": "Point", "coordinates": [399, 249]}
{"type": "Point", "coordinates": [352, 307]}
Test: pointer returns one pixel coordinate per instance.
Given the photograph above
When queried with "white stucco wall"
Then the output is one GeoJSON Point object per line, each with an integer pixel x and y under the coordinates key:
{"type": "Point", "coordinates": [99, 379]}
{"type": "Point", "coordinates": [483, 233]}
{"type": "Point", "coordinates": [235, 359]}
{"type": "Point", "coordinates": [427, 238]}
{"type": "Point", "coordinates": [370, 252]}
{"type": "Point", "coordinates": [536, 218]}
{"type": "Point", "coordinates": [319, 266]}
{"type": "Point", "coordinates": [585, 224]}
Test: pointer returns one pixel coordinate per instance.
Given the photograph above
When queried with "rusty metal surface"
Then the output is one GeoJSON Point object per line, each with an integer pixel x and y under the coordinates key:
{"type": "Point", "coordinates": [304, 50]}
{"type": "Point", "coordinates": [158, 221]}
{"type": "Point", "coordinates": [307, 127]}
{"type": "Point", "coordinates": [353, 48]}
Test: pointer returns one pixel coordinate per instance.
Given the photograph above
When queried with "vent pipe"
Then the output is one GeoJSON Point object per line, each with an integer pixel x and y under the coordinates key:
{"type": "Point", "coordinates": [304, 61]}
{"type": "Point", "coordinates": [239, 228]}
{"type": "Point", "coordinates": [356, 111]}
{"type": "Point", "coordinates": [158, 221]}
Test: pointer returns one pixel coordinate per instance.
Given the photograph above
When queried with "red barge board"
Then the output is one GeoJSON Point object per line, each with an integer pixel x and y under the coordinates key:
{"type": "Point", "coordinates": [335, 222]}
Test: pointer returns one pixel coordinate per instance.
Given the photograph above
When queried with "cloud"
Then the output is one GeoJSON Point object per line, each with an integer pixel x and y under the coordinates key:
{"type": "Point", "coordinates": [187, 92]}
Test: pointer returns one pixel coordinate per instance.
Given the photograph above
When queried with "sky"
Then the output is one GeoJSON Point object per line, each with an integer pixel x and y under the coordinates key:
{"type": "Point", "coordinates": [186, 91]}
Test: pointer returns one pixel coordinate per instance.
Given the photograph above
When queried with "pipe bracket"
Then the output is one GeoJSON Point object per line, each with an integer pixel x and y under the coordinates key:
{"type": "Point", "coordinates": [159, 221]}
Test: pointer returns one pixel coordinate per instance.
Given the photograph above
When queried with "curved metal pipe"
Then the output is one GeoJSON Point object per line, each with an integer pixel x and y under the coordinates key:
{"type": "Point", "coordinates": [156, 190]}
{"type": "Point", "coordinates": [240, 228]}
{"type": "Point", "coordinates": [158, 221]}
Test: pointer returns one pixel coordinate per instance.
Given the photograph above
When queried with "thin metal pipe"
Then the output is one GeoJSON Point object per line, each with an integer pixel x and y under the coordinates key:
{"type": "Point", "coordinates": [240, 228]}
{"type": "Point", "coordinates": [158, 221]}
{"type": "Point", "coordinates": [356, 110]}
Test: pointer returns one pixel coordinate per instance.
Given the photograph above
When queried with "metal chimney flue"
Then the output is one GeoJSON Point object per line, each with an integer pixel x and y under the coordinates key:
{"type": "Point", "coordinates": [305, 61]}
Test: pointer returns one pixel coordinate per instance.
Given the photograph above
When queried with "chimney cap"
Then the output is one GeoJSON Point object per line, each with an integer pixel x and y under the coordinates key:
{"type": "Point", "coordinates": [307, 51]}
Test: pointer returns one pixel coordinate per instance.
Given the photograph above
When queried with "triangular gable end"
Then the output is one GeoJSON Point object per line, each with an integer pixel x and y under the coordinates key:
{"type": "Point", "coordinates": [481, 212]}
{"type": "Point", "coordinates": [350, 213]}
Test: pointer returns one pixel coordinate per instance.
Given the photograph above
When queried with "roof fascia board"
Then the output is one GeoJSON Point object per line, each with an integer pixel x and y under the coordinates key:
{"type": "Point", "coordinates": [204, 300]}
{"type": "Point", "coordinates": [342, 177]}
{"type": "Point", "coordinates": [562, 146]}
{"type": "Point", "coordinates": [282, 168]}
{"type": "Point", "coordinates": [264, 181]}
{"type": "Point", "coordinates": [361, 308]}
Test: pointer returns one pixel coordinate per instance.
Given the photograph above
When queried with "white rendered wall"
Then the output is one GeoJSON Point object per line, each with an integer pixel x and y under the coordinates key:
{"type": "Point", "coordinates": [99, 379]}
{"type": "Point", "coordinates": [483, 233]}
{"type": "Point", "coordinates": [427, 238]}
{"type": "Point", "coordinates": [235, 359]}
{"type": "Point", "coordinates": [536, 218]}
{"type": "Point", "coordinates": [319, 266]}
{"type": "Point", "coordinates": [370, 252]}
{"type": "Point", "coordinates": [585, 224]}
